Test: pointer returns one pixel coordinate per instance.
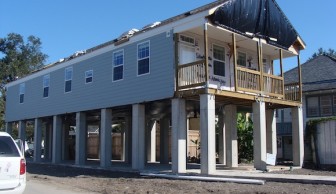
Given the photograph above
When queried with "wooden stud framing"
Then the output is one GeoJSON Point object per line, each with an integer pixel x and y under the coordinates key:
{"type": "Point", "coordinates": [282, 73]}
{"type": "Point", "coordinates": [234, 54]}
{"type": "Point", "coordinates": [176, 40]}
{"type": "Point", "coordinates": [260, 65]}
{"type": "Point", "coordinates": [300, 78]}
{"type": "Point", "coordinates": [206, 53]}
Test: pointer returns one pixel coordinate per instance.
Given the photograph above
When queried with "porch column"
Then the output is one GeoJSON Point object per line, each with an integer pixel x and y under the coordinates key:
{"type": "Point", "coordinates": [231, 137]}
{"type": "Point", "coordinates": [271, 132]}
{"type": "Point", "coordinates": [47, 140]}
{"type": "Point", "coordinates": [221, 138]}
{"type": "Point", "coordinates": [37, 139]}
{"type": "Point", "coordinates": [208, 134]}
{"type": "Point", "coordinates": [297, 135]}
{"type": "Point", "coordinates": [22, 131]}
{"type": "Point", "coordinates": [151, 143]}
{"type": "Point", "coordinates": [164, 141]}
{"type": "Point", "coordinates": [128, 139]}
{"type": "Point", "coordinates": [9, 127]}
{"type": "Point", "coordinates": [259, 135]}
{"type": "Point", "coordinates": [179, 135]}
{"type": "Point", "coordinates": [81, 135]}
{"type": "Point", "coordinates": [105, 137]}
{"type": "Point", "coordinates": [57, 139]}
{"type": "Point", "coordinates": [138, 137]}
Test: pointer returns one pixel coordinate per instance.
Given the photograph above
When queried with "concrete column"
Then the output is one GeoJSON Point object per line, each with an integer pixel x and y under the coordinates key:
{"type": "Point", "coordinates": [164, 141]}
{"type": "Point", "coordinates": [37, 139]}
{"type": "Point", "coordinates": [208, 134]}
{"type": "Point", "coordinates": [47, 141]}
{"type": "Point", "coordinates": [22, 131]}
{"type": "Point", "coordinates": [231, 137]}
{"type": "Point", "coordinates": [57, 139]}
{"type": "Point", "coordinates": [81, 135]}
{"type": "Point", "coordinates": [9, 127]}
{"type": "Point", "coordinates": [221, 138]}
{"type": "Point", "coordinates": [151, 143]}
{"type": "Point", "coordinates": [179, 135]}
{"type": "Point", "coordinates": [297, 135]}
{"type": "Point", "coordinates": [259, 135]}
{"type": "Point", "coordinates": [138, 137]}
{"type": "Point", "coordinates": [105, 138]}
{"type": "Point", "coordinates": [123, 144]}
{"type": "Point", "coordinates": [128, 139]}
{"type": "Point", "coordinates": [271, 132]}
{"type": "Point", "coordinates": [65, 142]}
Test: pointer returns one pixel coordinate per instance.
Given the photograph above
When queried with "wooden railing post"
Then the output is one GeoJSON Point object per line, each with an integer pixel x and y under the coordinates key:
{"type": "Point", "coordinates": [206, 53]}
{"type": "Point", "coordinates": [282, 73]}
{"type": "Point", "coordinates": [300, 78]}
{"type": "Point", "coordinates": [260, 65]}
{"type": "Point", "coordinates": [234, 54]}
{"type": "Point", "coordinates": [176, 37]}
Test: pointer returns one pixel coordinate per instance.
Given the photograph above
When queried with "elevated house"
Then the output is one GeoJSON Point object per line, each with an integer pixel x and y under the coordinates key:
{"type": "Point", "coordinates": [318, 101]}
{"type": "Point", "coordinates": [205, 63]}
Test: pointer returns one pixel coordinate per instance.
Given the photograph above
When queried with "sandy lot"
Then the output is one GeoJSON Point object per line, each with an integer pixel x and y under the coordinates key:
{"type": "Point", "coordinates": [103, 181]}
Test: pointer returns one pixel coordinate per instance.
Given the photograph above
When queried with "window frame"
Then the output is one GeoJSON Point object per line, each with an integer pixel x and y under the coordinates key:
{"type": "Point", "coordinates": [22, 91]}
{"type": "Point", "coordinates": [139, 59]}
{"type": "Point", "coordinates": [319, 114]}
{"type": "Point", "coordinates": [214, 59]}
{"type": "Point", "coordinates": [46, 86]}
{"type": "Point", "coordinates": [240, 52]}
{"type": "Point", "coordinates": [114, 66]}
{"type": "Point", "coordinates": [88, 77]}
{"type": "Point", "coordinates": [66, 79]}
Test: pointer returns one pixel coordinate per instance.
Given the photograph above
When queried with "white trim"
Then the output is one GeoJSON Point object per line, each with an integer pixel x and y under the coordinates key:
{"type": "Point", "coordinates": [136, 38]}
{"type": "Point", "coordinates": [85, 76]}
{"type": "Point", "coordinates": [149, 57]}
{"type": "Point", "coordinates": [113, 66]}
{"type": "Point", "coordinates": [65, 78]}
{"type": "Point", "coordinates": [43, 86]}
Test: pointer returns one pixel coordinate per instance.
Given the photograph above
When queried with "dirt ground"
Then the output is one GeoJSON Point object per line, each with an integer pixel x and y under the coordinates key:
{"type": "Point", "coordinates": [103, 181]}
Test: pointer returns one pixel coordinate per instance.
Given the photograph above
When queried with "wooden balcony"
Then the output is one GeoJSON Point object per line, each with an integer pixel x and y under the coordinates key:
{"type": "Point", "coordinates": [193, 75]}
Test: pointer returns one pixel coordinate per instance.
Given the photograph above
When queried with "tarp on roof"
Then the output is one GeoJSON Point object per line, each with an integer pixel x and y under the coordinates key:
{"type": "Point", "coordinates": [263, 18]}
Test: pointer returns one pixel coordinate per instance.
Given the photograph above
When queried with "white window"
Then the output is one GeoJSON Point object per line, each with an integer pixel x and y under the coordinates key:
{"type": "Point", "coordinates": [313, 106]}
{"type": "Point", "coordinates": [187, 39]}
{"type": "Point", "coordinates": [68, 79]}
{"type": "Point", "coordinates": [218, 60]}
{"type": "Point", "coordinates": [46, 84]}
{"type": "Point", "coordinates": [118, 65]}
{"type": "Point", "coordinates": [143, 58]}
{"type": "Point", "coordinates": [88, 76]}
{"type": "Point", "coordinates": [326, 105]}
{"type": "Point", "coordinates": [241, 59]}
{"type": "Point", "coordinates": [22, 92]}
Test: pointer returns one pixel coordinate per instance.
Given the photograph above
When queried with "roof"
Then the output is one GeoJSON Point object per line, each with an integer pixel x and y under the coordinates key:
{"type": "Point", "coordinates": [318, 73]}
{"type": "Point", "coordinates": [262, 18]}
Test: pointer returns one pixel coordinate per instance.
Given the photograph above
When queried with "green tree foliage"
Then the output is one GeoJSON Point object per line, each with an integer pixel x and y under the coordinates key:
{"type": "Point", "coordinates": [330, 52]}
{"type": "Point", "coordinates": [17, 59]}
{"type": "Point", "coordinates": [245, 137]}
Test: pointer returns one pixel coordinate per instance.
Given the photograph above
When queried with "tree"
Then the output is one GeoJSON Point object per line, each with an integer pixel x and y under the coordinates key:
{"type": "Point", "coordinates": [330, 52]}
{"type": "Point", "coordinates": [17, 59]}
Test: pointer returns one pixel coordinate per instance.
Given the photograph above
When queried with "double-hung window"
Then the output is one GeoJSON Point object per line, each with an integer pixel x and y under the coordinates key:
{"type": "Point", "coordinates": [118, 65]}
{"type": "Point", "coordinates": [22, 92]}
{"type": "Point", "coordinates": [68, 79]}
{"type": "Point", "coordinates": [219, 60]}
{"type": "Point", "coordinates": [88, 76]}
{"type": "Point", "coordinates": [241, 61]}
{"type": "Point", "coordinates": [143, 58]}
{"type": "Point", "coordinates": [46, 84]}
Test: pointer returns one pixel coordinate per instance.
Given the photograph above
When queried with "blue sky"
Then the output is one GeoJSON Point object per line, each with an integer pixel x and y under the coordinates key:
{"type": "Point", "coordinates": [67, 26]}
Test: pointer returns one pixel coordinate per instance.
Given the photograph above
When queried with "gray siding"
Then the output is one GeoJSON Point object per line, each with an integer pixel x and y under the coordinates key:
{"type": "Point", "coordinates": [102, 93]}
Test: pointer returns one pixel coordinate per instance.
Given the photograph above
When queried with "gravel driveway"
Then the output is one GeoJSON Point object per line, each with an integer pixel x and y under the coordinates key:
{"type": "Point", "coordinates": [103, 181]}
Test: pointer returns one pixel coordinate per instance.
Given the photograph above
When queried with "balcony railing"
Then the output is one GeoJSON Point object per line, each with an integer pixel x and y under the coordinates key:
{"type": "Point", "coordinates": [191, 75]}
{"type": "Point", "coordinates": [292, 92]}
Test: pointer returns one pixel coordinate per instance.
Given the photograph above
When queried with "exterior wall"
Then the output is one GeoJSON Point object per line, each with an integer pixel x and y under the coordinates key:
{"type": "Point", "coordinates": [102, 93]}
{"type": "Point", "coordinates": [326, 142]}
